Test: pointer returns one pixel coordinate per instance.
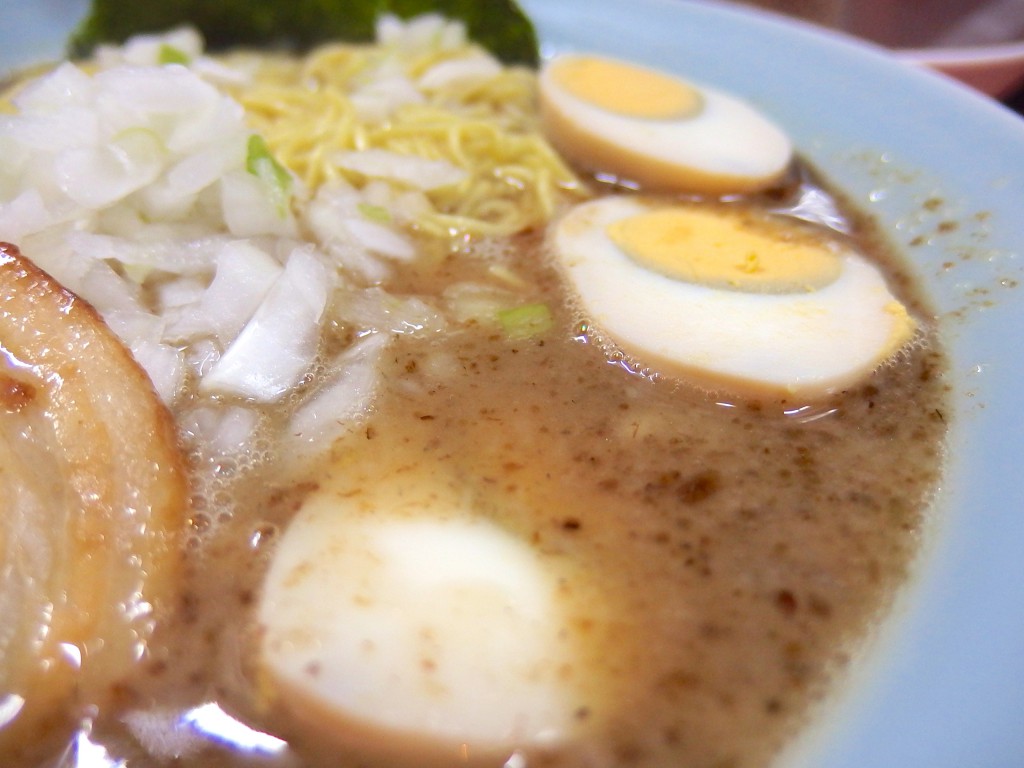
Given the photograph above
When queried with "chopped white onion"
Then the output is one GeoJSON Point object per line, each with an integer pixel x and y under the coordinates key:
{"type": "Point", "coordinates": [164, 364]}
{"type": "Point", "coordinates": [359, 263]}
{"type": "Point", "coordinates": [147, 49]}
{"type": "Point", "coordinates": [106, 290]}
{"type": "Point", "coordinates": [477, 302]}
{"type": "Point", "coordinates": [185, 111]}
{"type": "Point", "coordinates": [97, 176]}
{"type": "Point", "coordinates": [24, 214]}
{"type": "Point", "coordinates": [427, 32]}
{"type": "Point", "coordinates": [376, 310]}
{"type": "Point", "coordinates": [51, 132]}
{"type": "Point", "coordinates": [417, 172]}
{"type": "Point", "coordinates": [135, 324]}
{"type": "Point", "coordinates": [179, 292]}
{"type": "Point", "coordinates": [380, 239]}
{"type": "Point", "coordinates": [66, 88]}
{"type": "Point", "coordinates": [200, 356]}
{"type": "Point", "coordinates": [479, 67]}
{"type": "Point", "coordinates": [244, 275]}
{"type": "Point", "coordinates": [201, 169]}
{"type": "Point", "coordinates": [128, 182]}
{"type": "Point", "coordinates": [345, 395]}
{"type": "Point", "coordinates": [190, 257]}
{"type": "Point", "coordinates": [221, 430]}
{"type": "Point", "coordinates": [376, 101]}
{"type": "Point", "coordinates": [278, 345]}
{"type": "Point", "coordinates": [249, 209]}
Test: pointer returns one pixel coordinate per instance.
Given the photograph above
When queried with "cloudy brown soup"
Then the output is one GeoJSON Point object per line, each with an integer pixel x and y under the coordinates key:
{"type": "Point", "coordinates": [721, 557]}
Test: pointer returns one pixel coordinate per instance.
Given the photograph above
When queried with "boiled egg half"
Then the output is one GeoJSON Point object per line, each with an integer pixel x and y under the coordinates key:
{"type": "Point", "coordinates": [728, 296]}
{"type": "Point", "coordinates": [656, 130]}
{"type": "Point", "coordinates": [410, 631]}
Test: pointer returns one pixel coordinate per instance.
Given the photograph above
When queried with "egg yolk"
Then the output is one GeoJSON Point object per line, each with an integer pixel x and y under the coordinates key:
{"type": "Point", "coordinates": [723, 250]}
{"type": "Point", "coordinates": [627, 90]}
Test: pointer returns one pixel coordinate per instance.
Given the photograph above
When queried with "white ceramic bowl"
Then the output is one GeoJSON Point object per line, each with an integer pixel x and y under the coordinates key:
{"type": "Point", "coordinates": [942, 169]}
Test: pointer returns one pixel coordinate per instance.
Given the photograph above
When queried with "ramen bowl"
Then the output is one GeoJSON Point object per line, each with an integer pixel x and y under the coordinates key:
{"type": "Point", "coordinates": [941, 169]}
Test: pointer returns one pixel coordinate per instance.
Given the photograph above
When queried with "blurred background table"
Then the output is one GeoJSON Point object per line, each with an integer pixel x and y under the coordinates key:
{"type": "Point", "coordinates": [1015, 101]}
{"type": "Point", "coordinates": [980, 42]}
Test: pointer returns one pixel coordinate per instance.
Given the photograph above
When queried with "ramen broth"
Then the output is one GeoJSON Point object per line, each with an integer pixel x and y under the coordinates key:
{"type": "Point", "coordinates": [744, 546]}
{"type": "Point", "coordinates": [724, 556]}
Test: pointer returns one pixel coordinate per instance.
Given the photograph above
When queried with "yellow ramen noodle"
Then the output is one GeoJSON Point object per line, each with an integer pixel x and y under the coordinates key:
{"type": "Point", "coordinates": [486, 127]}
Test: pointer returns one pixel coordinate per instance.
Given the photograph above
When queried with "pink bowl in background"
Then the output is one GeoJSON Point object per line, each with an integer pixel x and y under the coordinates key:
{"type": "Point", "coordinates": [997, 70]}
{"type": "Point", "coordinates": [979, 42]}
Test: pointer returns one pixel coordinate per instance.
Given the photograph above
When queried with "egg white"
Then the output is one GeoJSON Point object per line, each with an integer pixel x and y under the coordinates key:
{"type": "Point", "coordinates": [408, 631]}
{"type": "Point", "coordinates": [805, 344]}
{"type": "Point", "coordinates": [727, 146]}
